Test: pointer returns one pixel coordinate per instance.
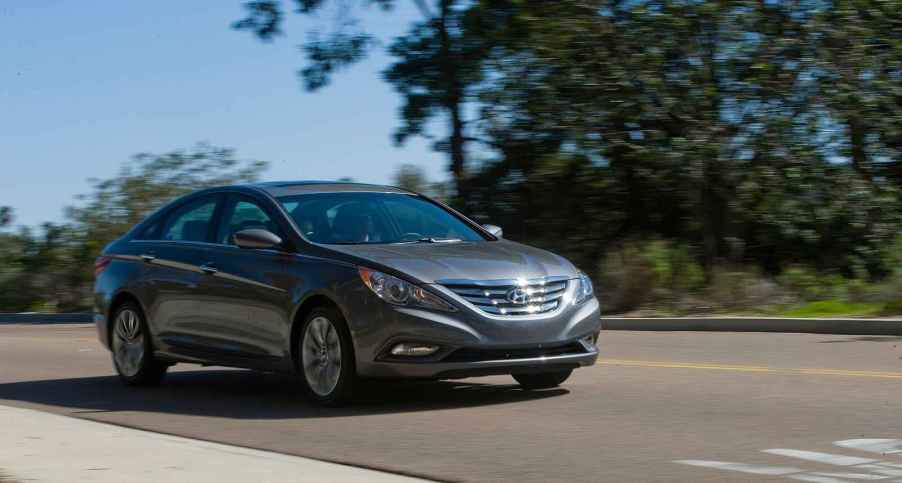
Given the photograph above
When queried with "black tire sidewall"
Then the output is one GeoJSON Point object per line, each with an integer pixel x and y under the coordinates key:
{"type": "Point", "coordinates": [544, 380]}
{"type": "Point", "coordinates": [348, 376]}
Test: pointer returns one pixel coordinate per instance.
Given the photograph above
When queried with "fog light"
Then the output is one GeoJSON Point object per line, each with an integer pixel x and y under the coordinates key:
{"type": "Point", "coordinates": [590, 341]}
{"type": "Point", "coordinates": [408, 349]}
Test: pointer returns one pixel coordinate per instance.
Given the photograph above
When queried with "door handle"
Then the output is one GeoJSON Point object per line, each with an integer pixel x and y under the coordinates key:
{"type": "Point", "coordinates": [209, 269]}
{"type": "Point", "coordinates": [148, 257]}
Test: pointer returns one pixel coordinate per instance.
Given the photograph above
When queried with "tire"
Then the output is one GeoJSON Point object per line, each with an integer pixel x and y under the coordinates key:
{"type": "Point", "coordinates": [544, 380]}
{"type": "Point", "coordinates": [327, 371]}
{"type": "Point", "coordinates": [131, 349]}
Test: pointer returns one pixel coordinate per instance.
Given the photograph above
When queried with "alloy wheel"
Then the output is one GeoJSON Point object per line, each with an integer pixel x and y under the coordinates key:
{"type": "Point", "coordinates": [128, 343]}
{"type": "Point", "coordinates": [321, 356]}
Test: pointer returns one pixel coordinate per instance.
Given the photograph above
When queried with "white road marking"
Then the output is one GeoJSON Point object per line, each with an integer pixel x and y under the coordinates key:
{"type": "Point", "coordinates": [830, 459]}
{"type": "Point", "coordinates": [815, 478]}
{"type": "Point", "coordinates": [865, 469]}
{"type": "Point", "coordinates": [882, 446]}
{"type": "Point", "coordinates": [887, 469]}
{"type": "Point", "coordinates": [853, 476]}
{"type": "Point", "coordinates": [743, 468]}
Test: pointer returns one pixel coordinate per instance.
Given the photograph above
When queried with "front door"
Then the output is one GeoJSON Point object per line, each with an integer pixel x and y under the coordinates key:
{"type": "Point", "coordinates": [251, 302]}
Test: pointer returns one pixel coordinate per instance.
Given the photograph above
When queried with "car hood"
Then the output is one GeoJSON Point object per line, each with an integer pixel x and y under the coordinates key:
{"type": "Point", "coordinates": [489, 260]}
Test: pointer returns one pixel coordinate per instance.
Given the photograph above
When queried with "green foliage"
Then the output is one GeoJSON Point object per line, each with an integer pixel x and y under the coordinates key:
{"type": "Point", "coordinates": [661, 277]}
{"type": "Point", "coordinates": [757, 134]}
{"type": "Point", "coordinates": [658, 271]}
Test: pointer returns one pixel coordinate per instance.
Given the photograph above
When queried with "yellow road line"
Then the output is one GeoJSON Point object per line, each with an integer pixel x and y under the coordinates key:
{"type": "Point", "coordinates": [759, 369]}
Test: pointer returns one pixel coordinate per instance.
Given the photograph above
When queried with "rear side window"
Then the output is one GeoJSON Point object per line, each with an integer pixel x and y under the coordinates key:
{"type": "Point", "coordinates": [190, 222]}
{"type": "Point", "coordinates": [150, 232]}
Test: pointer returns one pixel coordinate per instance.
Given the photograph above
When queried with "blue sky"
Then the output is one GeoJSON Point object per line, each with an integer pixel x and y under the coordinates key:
{"type": "Point", "coordinates": [84, 85]}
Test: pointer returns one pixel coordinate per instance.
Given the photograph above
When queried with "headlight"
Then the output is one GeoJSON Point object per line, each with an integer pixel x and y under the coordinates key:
{"type": "Point", "coordinates": [584, 289]}
{"type": "Point", "coordinates": [398, 292]}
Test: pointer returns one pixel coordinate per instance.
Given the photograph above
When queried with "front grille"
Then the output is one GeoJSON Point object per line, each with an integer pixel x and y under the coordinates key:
{"type": "Point", "coordinates": [512, 297]}
{"type": "Point", "coordinates": [483, 355]}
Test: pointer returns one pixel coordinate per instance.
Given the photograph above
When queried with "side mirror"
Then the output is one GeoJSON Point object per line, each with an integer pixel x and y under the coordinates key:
{"type": "Point", "coordinates": [494, 230]}
{"type": "Point", "coordinates": [256, 238]}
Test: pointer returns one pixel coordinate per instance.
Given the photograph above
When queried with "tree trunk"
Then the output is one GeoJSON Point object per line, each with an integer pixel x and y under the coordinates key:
{"type": "Point", "coordinates": [859, 156]}
{"type": "Point", "coordinates": [453, 103]}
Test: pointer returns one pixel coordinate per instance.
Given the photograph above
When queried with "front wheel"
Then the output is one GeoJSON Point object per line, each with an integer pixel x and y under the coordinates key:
{"type": "Point", "coordinates": [327, 357]}
{"type": "Point", "coordinates": [544, 380]}
{"type": "Point", "coordinates": [132, 354]}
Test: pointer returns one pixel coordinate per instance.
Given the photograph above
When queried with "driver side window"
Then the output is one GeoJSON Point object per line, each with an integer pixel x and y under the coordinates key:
{"type": "Point", "coordinates": [245, 214]}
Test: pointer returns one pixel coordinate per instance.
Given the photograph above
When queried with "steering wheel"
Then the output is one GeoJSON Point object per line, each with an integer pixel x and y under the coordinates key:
{"type": "Point", "coordinates": [411, 237]}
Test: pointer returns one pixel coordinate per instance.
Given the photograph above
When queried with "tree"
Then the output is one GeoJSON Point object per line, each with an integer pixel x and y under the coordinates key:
{"type": "Point", "coordinates": [6, 216]}
{"type": "Point", "coordinates": [751, 132]}
{"type": "Point", "coordinates": [412, 177]}
{"type": "Point", "coordinates": [858, 68]}
{"type": "Point", "coordinates": [437, 65]}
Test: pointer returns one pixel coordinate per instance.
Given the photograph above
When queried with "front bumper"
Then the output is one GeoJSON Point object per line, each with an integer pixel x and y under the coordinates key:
{"type": "Point", "coordinates": [459, 370]}
{"type": "Point", "coordinates": [472, 344]}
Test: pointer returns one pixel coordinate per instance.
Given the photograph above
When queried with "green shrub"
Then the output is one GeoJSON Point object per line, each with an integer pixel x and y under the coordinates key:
{"type": "Point", "coordinates": [656, 273]}
{"type": "Point", "coordinates": [626, 278]}
{"type": "Point", "coordinates": [741, 289]}
{"type": "Point", "coordinates": [664, 277]}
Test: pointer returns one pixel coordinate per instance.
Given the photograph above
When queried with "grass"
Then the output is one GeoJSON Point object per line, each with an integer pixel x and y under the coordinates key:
{"type": "Point", "coordinates": [836, 308]}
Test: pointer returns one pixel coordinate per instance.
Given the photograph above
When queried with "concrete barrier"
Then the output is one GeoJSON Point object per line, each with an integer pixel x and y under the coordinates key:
{"type": "Point", "coordinates": [883, 326]}
{"type": "Point", "coordinates": [38, 318]}
{"type": "Point", "coordinates": [888, 326]}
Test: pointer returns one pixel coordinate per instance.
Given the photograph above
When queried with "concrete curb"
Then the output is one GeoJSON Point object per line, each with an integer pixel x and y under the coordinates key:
{"type": "Point", "coordinates": [38, 446]}
{"type": "Point", "coordinates": [758, 324]}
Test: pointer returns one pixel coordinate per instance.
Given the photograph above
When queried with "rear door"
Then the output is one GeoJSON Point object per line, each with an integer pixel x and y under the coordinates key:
{"type": "Point", "coordinates": [177, 277]}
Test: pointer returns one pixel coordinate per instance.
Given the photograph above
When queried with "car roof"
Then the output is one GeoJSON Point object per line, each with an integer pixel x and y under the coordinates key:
{"type": "Point", "coordinates": [288, 188]}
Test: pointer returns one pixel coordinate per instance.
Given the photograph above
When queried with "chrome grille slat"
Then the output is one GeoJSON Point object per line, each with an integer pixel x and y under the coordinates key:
{"type": "Point", "coordinates": [491, 296]}
{"type": "Point", "coordinates": [479, 292]}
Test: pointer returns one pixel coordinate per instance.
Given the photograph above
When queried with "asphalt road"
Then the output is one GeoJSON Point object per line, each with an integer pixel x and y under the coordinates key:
{"type": "Point", "coordinates": [659, 406]}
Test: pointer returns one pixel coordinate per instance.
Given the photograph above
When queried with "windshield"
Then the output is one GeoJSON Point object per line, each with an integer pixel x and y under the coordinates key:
{"type": "Point", "coordinates": [358, 218]}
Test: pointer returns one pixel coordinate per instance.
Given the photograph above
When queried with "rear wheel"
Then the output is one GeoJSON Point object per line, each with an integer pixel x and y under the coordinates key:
{"type": "Point", "coordinates": [545, 380]}
{"type": "Point", "coordinates": [326, 357]}
{"type": "Point", "coordinates": [132, 354]}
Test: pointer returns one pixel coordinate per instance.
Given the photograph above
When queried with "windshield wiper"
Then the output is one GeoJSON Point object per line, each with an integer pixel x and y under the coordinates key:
{"type": "Point", "coordinates": [433, 240]}
{"type": "Point", "coordinates": [439, 240]}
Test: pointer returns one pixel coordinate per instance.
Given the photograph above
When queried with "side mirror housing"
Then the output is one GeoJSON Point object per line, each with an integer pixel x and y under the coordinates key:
{"type": "Point", "coordinates": [495, 230]}
{"type": "Point", "coordinates": [257, 238]}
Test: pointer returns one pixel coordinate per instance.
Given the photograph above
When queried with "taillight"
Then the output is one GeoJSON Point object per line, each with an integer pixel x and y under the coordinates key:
{"type": "Point", "coordinates": [100, 265]}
